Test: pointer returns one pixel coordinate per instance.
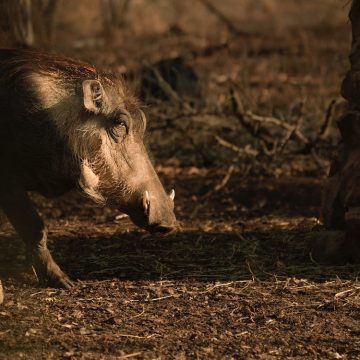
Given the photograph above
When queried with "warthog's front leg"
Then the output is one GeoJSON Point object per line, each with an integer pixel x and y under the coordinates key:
{"type": "Point", "coordinates": [29, 225]}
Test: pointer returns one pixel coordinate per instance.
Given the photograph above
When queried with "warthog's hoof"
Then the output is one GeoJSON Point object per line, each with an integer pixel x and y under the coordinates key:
{"type": "Point", "coordinates": [48, 272]}
{"type": "Point", "coordinates": [54, 278]}
{"type": "Point", "coordinates": [335, 247]}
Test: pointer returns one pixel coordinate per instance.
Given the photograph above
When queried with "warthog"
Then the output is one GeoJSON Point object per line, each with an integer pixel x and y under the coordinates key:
{"type": "Point", "coordinates": [64, 125]}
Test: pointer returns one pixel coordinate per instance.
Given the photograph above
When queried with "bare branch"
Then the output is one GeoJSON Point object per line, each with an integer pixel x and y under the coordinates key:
{"type": "Point", "coordinates": [274, 121]}
{"type": "Point", "coordinates": [247, 150]}
{"type": "Point", "coordinates": [238, 110]}
{"type": "Point", "coordinates": [229, 24]}
{"type": "Point", "coordinates": [321, 135]}
{"type": "Point", "coordinates": [169, 91]}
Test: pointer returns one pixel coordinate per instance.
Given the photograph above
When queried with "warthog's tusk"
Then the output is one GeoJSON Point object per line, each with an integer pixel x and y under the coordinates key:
{"type": "Point", "coordinates": [146, 202]}
{"type": "Point", "coordinates": [172, 194]}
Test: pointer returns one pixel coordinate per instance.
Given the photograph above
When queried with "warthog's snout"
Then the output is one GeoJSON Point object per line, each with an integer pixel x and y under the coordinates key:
{"type": "Point", "coordinates": [158, 212]}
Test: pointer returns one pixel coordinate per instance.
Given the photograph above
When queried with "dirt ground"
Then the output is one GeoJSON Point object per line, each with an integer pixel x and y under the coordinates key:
{"type": "Point", "coordinates": [238, 281]}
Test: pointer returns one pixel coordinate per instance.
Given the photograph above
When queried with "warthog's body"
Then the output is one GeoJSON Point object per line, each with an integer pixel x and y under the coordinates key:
{"type": "Point", "coordinates": [64, 124]}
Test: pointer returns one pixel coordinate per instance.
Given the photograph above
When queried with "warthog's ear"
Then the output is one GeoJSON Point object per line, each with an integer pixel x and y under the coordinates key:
{"type": "Point", "coordinates": [94, 95]}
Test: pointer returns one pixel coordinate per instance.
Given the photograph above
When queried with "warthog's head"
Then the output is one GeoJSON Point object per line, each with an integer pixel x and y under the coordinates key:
{"type": "Point", "coordinates": [115, 166]}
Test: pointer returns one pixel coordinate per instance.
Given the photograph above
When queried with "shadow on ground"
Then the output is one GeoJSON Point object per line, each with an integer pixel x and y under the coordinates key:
{"type": "Point", "coordinates": [204, 256]}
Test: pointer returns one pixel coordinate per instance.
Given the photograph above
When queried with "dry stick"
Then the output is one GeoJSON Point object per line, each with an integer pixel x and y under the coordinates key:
{"type": "Point", "coordinates": [266, 150]}
{"type": "Point", "coordinates": [163, 298]}
{"type": "Point", "coordinates": [128, 356]}
{"type": "Point", "coordinates": [321, 164]}
{"type": "Point", "coordinates": [136, 316]}
{"type": "Point", "coordinates": [347, 292]}
{"type": "Point", "coordinates": [225, 180]}
{"type": "Point", "coordinates": [192, 114]}
{"type": "Point", "coordinates": [286, 139]}
{"type": "Point", "coordinates": [265, 138]}
{"type": "Point", "coordinates": [254, 279]}
{"type": "Point", "coordinates": [219, 186]}
{"type": "Point", "coordinates": [168, 121]}
{"type": "Point", "coordinates": [291, 132]}
{"type": "Point", "coordinates": [241, 151]}
{"type": "Point", "coordinates": [124, 9]}
{"type": "Point", "coordinates": [215, 11]}
{"type": "Point", "coordinates": [248, 125]}
{"type": "Point", "coordinates": [321, 136]}
{"type": "Point", "coordinates": [169, 91]}
{"type": "Point", "coordinates": [323, 128]}
{"type": "Point", "coordinates": [137, 336]}
{"type": "Point", "coordinates": [280, 123]}
{"type": "Point", "coordinates": [209, 50]}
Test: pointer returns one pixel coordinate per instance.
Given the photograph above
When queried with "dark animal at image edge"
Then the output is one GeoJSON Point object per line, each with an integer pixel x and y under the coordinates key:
{"type": "Point", "coordinates": [341, 195]}
{"type": "Point", "coordinates": [64, 125]}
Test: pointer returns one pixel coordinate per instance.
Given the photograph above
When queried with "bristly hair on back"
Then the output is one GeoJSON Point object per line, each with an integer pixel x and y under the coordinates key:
{"type": "Point", "coordinates": [14, 63]}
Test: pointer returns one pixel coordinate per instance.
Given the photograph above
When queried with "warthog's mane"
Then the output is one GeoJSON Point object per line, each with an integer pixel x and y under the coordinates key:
{"type": "Point", "coordinates": [15, 63]}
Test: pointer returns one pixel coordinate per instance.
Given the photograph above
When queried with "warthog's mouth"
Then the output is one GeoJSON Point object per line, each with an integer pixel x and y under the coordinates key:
{"type": "Point", "coordinates": [162, 229]}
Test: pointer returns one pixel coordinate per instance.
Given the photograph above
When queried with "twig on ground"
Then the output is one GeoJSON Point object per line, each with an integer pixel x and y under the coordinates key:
{"type": "Point", "coordinates": [128, 356]}
{"type": "Point", "coordinates": [347, 292]}
{"type": "Point", "coordinates": [254, 279]}
{"type": "Point", "coordinates": [162, 298]}
{"type": "Point", "coordinates": [247, 150]}
{"type": "Point", "coordinates": [137, 336]}
{"type": "Point", "coordinates": [138, 315]}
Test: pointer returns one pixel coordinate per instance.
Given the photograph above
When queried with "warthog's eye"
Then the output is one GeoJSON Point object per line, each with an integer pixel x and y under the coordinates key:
{"type": "Point", "coordinates": [118, 129]}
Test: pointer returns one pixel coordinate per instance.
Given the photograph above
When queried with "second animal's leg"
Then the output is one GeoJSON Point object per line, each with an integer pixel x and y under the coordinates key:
{"type": "Point", "coordinates": [333, 211]}
{"type": "Point", "coordinates": [29, 225]}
